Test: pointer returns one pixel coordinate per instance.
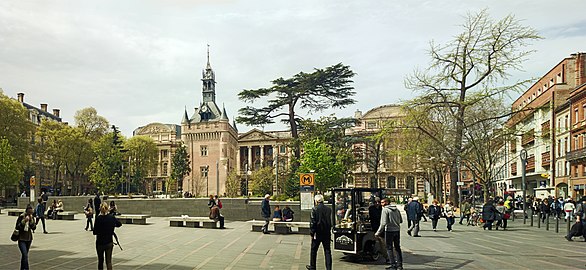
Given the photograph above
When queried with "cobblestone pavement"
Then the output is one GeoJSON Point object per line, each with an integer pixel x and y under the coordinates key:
{"type": "Point", "coordinates": [159, 246]}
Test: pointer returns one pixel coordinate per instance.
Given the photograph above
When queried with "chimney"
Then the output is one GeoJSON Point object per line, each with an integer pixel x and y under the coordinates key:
{"type": "Point", "coordinates": [358, 114]}
{"type": "Point", "coordinates": [20, 97]}
{"type": "Point", "coordinates": [56, 112]}
{"type": "Point", "coordinates": [44, 107]}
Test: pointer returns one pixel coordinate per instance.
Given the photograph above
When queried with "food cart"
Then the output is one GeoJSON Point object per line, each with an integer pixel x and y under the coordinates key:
{"type": "Point", "coordinates": [352, 231]}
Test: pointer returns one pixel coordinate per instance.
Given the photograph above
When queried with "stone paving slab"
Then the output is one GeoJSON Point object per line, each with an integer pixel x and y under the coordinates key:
{"type": "Point", "coordinates": [159, 246]}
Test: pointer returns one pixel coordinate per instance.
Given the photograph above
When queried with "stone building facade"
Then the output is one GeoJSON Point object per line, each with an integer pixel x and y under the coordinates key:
{"type": "Point", "coordinates": [383, 167]}
{"type": "Point", "coordinates": [167, 138]}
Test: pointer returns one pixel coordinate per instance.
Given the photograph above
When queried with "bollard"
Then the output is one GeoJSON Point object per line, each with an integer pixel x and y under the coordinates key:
{"type": "Point", "coordinates": [568, 226]}
{"type": "Point", "coordinates": [539, 220]}
{"type": "Point", "coordinates": [557, 225]}
{"type": "Point", "coordinates": [547, 222]}
{"type": "Point", "coordinates": [513, 214]}
{"type": "Point", "coordinates": [531, 218]}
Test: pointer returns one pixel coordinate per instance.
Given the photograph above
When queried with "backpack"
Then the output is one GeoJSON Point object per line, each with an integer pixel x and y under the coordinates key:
{"type": "Point", "coordinates": [219, 203]}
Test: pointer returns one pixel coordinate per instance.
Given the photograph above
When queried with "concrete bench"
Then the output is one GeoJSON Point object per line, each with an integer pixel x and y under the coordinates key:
{"type": "Point", "coordinates": [14, 212]}
{"type": "Point", "coordinates": [66, 215]}
{"type": "Point", "coordinates": [193, 222]}
{"type": "Point", "coordinates": [281, 227]}
{"type": "Point", "coordinates": [132, 219]}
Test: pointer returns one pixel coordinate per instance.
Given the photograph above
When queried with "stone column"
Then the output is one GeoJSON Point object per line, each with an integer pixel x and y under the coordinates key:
{"type": "Point", "coordinates": [238, 161]}
{"type": "Point", "coordinates": [262, 155]}
{"type": "Point", "coordinates": [250, 165]}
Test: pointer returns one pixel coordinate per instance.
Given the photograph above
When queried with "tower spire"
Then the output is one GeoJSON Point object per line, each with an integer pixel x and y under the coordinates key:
{"type": "Point", "coordinates": [208, 65]}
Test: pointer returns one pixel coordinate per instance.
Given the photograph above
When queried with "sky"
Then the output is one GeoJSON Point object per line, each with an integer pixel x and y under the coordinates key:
{"type": "Point", "coordinates": [139, 62]}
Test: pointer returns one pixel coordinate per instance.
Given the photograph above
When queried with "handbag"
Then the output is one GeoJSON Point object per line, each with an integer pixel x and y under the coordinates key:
{"type": "Point", "coordinates": [15, 235]}
{"type": "Point", "coordinates": [507, 216]}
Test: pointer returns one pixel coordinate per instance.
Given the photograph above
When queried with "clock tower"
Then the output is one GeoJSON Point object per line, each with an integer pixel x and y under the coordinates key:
{"type": "Point", "coordinates": [211, 141]}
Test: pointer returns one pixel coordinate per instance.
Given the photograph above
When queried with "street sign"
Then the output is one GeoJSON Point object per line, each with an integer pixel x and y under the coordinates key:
{"type": "Point", "coordinates": [306, 179]}
{"type": "Point", "coordinates": [33, 181]}
{"type": "Point", "coordinates": [460, 183]}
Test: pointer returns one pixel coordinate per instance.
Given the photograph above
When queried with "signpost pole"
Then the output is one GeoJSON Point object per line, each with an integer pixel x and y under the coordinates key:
{"type": "Point", "coordinates": [523, 156]}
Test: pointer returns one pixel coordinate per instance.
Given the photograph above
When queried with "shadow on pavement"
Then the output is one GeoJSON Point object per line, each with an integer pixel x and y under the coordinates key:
{"type": "Point", "coordinates": [412, 260]}
{"type": "Point", "coordinates": [10, 259]}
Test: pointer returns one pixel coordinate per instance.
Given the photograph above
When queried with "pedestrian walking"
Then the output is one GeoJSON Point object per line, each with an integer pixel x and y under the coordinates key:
{"type": "Point", "coordinates": [449, 214]}
{"type": "Point", "coordinates": [488, 214]}
{"type": "Point", "coordinates": [89, 214]}
{"type": "Point", "coordinates": [25, 224]}
{"type": "Point", "coordinates": [45, 198]}
{"type": "Point", "coordinates": [414, 215]}
{"type": "Point", "coordinates": [569, 208]}
{"type": "Point", "coordinates": [40, 214]}
{"type": "Point", "coordinates": [104, 230]}
{"type": "Point", "coordinates": [465, 211]}
{"type": "Point", "coordinates": [545, 210]}
{"type": "Point", "coordinates": [579, 228]}
{"type": "Point", "coordinates": [406, 208]}
{"type": "Point", "coordinates": [434, 212]}
{"type": "Point", "coordinates": [265, 208]}
{"type": "Point", "coordinates": [320, 225]}
{"type": "Point", "coordinates": [375, 213]}
{"type": "Point", "coordinates": [97, 204]}
{"type": "Point", "coordinates": [500, 215]}
{"type": "Point", "coordinates": [390, 228]}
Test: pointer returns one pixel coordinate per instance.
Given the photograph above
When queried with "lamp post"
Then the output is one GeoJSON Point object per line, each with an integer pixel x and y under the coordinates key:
{"type": "Point", "coordinates": [246, 172]}
{"type": "Point", "coordinates": [217, 178]}
{"type": "Point", "coordinates": [207, 180]}
{"type": "Point", "coordinates": [523, 156]}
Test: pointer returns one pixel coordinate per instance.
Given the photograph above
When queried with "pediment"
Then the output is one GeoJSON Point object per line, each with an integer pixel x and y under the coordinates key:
{"type": "Point", "coordinates": [256, 135]}
{"type": "Point", "coordinates": [154, 128]}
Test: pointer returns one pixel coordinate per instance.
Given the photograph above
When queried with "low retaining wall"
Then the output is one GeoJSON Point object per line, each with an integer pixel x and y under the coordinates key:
{"type": "Point", "coordinates": [237, 209]}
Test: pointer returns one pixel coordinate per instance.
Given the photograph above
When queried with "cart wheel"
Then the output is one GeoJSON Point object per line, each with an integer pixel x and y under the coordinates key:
{"type": "Point", "coordinates": [373, 252]}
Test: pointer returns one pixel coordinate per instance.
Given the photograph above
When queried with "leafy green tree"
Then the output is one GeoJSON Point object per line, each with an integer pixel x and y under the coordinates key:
{"type": "Point", "coordinates": [53, 149]}
{"type": "Point", "coordinates": [261, 181]}
{"type": "Point", "coordinates": [322, 89]}
{"type": "Point", "coordinates": [320, 158]}
{"type": "Point", "coordinates": [10, 171]}
{"type": "Point", "coordinates": [79, 158]}
{"type": "Point", "coordinates": [232, 184]}
{"type": "Point", "coordinates": [143, 155]}
{"type": "Point", "coordinates": [16, 128]}
{"type": "Point", "coordinates": [105, 172]}
{"type": "Point", "coordinates": [93, 125]}
{"type": "Point", "coordinates": [332, 131]}
{"type": "Point", "coordinates": [469, 69]}
{"type": "Point", "coordinates": [180, 166]}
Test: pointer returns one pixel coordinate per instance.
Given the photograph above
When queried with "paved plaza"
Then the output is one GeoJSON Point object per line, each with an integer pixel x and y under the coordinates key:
{"type": "Point", "coordinates": [159, 246]}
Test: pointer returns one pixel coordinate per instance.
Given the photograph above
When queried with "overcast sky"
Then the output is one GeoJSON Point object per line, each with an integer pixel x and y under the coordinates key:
{"type": "Point", "coordinates": [139, 62]}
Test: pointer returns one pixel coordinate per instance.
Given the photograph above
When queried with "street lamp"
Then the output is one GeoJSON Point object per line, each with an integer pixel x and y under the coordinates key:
{"type": "Point", "coordinates": [523, 156]}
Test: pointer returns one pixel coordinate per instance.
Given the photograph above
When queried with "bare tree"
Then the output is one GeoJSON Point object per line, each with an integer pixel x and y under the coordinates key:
{"type": "Point", "coordinates": [470, 68]}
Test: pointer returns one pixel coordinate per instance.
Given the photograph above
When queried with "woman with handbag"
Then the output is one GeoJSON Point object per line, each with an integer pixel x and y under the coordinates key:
{"type": "Point", "coordinates": [25, 225]}
{"type": "Point", "coordinates": [500, 215]}
{"type": "Point", "coordinates": [449, 214]}
{"type": "Point", "coordinates": [89, 214]}
{"type": "Point", "coordinates": [104, 231]}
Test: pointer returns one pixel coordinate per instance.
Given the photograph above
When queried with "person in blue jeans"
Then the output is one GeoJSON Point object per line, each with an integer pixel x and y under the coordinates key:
{"type": "Point", "coordinates": [25, 224]}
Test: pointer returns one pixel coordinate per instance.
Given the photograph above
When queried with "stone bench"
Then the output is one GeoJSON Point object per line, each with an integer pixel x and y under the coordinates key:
{"type": "Point", "coordinates": [66, 215]}
{"type": "Point", "coordinates": [14, 212]}
{"type": "Point", "coordinates": [193, 222]}
{"type": "Point", "coordinates": [132, 219]}
{"type": "Point", "coordinates": [281, 227]}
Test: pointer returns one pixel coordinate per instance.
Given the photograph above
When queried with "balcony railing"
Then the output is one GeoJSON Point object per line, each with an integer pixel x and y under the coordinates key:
{"type": "Point", "coordinates": [546, 159]}
{"type": "Point", "coordinates": [528, 137]}
{"type": "Point", "coordinates": [530, 164]}
{"type": "Point", "coordinates": [545, 129]}
{"type": "Point", "coordinates": [576, 154]}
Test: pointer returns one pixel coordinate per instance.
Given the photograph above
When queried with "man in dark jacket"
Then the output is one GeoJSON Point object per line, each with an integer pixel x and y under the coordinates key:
{"type": "Point", "coordinates": [488, 214]}
{"type": "Point", "coordinates": [97, 204]}
{"type": "Point", "coordinates": [321, 226]}
{"type": "Point", "coordinates": [374, 213]}
{"type": "Point", "coordinates": [390, 228]}
{"type": "Point", "coordinates": [265, 208]}
{"type": "Point", "coordinates": [104, 231]}
{"type": "Point", "coordinates": [414, 212]}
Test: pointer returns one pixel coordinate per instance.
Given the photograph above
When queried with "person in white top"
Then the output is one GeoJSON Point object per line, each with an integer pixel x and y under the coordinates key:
{"type": "Point", "coordinates": [569, 208]}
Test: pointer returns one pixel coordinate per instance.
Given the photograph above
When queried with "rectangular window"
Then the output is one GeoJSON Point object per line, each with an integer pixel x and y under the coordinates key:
{"type": "Point", "coordinates": [282, 149]}
{"type": "Point", "coordinates": [204, 150]}
{"type": "Point", "coordinates": [566, 146]}
{"type": "Point", "coordinates": [575, 116]}
{"type": "Point", "coordinates": [371, 124]}
{"type": "Point", "coordinates": [164, 153]}
{"type": "Point", "coordinates": [566, 123]}
{"type": "Point", "coordinates": [204, 171]}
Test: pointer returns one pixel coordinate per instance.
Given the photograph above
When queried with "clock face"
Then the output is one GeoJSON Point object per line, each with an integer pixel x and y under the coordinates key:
{"type": "Point", "coordinates": [204, 108]}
